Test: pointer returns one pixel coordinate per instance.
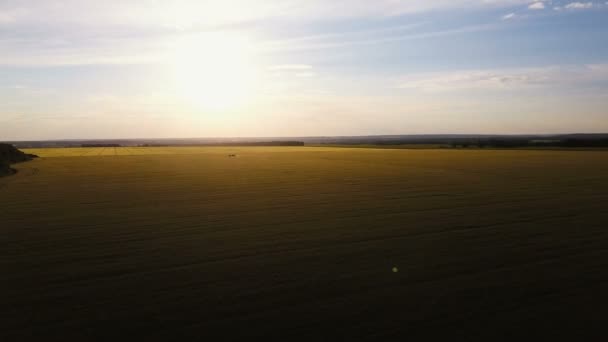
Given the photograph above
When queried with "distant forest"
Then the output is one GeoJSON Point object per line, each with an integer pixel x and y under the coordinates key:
{"type": "Point", "coordinates": [463, 141]}
{"type": "Point", "coordinates": [244, 143]}
{"type": "Point", "coordinates": [438, 140]}
{"type": "Point", "coordinates": [236, 143]}
{"type": "Point", "coordinates": [504, 143]}
{"type": "Point", "coordinates": [514, 143]}
{"type": "Point", "coordinates": [100, 145]}
{"type": "Point", "coordinates": [498, 143]}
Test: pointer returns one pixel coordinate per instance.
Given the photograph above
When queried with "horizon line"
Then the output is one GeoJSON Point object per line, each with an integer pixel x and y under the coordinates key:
{"type": "Point", "coordinates": [314, 136]}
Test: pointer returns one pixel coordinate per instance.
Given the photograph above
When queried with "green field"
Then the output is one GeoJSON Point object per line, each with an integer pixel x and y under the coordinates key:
{"type": "Point", "coordinates": [299, 243]}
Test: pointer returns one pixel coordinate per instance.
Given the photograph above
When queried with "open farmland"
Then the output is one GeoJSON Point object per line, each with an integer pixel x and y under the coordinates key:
{"type": "Point", "coordinates": [297, 243]}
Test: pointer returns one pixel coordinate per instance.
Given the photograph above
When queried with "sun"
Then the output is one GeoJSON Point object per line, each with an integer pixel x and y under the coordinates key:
{"type": "Point", "coordinates": [214, 71]}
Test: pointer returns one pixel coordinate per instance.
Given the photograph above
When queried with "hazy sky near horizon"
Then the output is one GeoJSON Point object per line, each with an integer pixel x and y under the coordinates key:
{"type": "Point", "coordinates": [186, 68]}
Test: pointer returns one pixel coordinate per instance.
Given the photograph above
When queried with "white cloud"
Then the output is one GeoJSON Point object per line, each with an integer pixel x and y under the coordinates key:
{"type": "Point", "coordinates": [139, 31]}
{"type": "Point", "coordinates": [506, 79]}
{"type": "Point", "coordinates": [11, 15]}
{"type": "Point", "coordinates": [537, 6]}
{"type": "Point", "coordinates": [579, 5]}
{"type": "Point", "coordinates": [286, 76]}
{"type": "Point", "coordinates": [183, 14]}
{"type": "Point", "coordinates": [155, 49]}
{"type": "Point", "coordinates": [295, 45]}
{"type": "Point", "coordinates": [290, 67]}
{"type": "Point", "coordinates": [117, 31]}
{"type": "Point", "coordinates": [305, 74]}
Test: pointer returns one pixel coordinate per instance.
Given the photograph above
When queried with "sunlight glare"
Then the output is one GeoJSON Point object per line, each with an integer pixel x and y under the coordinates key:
{"type": "Point", "coordinates": [214, 71]}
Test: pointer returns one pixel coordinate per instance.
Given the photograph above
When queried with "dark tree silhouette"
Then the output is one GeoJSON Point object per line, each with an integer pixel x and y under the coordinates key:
{"type": "Point", "coordinates": [10, 155]}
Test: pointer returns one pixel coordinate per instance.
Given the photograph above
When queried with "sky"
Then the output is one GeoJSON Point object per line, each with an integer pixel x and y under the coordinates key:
{"type": "Point", "coordinates": [82, 69]}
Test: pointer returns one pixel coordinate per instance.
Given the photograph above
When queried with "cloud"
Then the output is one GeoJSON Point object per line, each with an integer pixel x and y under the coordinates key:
{"type": "Point", "coordinates": [85, 32]}
{"type": "Point", "coordinates": [286, 77]}
{"type": "Point", "coordinates": [294, 45]}
{"type": "Point", "coordinates": [10, 16]}
{"type": "Point", "coordinates": [579, 5]}
{"type": "Point", "coordinates": [343, 36]}
{"type": "Point", "coordinates": [399, 7]}
{"type": "Point", "coordinates": [184, 14]}
{"type": "Point", "coordinates": [290, 67]}
{"type": "Point", "coordinates": [155, 49]}
{"type": "Point", "coordinates": [506, 79]}
{"type": "Point", "coordinates": [295, 70]}
{"type": "Point", "coordinates": [537, 6]}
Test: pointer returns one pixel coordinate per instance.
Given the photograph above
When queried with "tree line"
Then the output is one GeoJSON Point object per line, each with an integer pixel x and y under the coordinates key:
{"type": "Point", "coordinates": [11, 155]}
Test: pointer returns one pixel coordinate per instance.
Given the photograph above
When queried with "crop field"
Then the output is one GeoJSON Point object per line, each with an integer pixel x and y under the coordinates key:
{"type": "Point", "coordinates": [304, 243]}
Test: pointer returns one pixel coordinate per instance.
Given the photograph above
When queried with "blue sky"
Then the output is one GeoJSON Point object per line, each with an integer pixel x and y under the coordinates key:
{"type": "Point", "coordinates": [145, 68]}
